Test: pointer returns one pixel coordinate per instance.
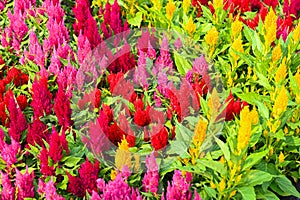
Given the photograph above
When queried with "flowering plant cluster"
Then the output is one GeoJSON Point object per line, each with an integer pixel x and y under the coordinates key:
{"type": "Point", "coordinates": [202, 104]}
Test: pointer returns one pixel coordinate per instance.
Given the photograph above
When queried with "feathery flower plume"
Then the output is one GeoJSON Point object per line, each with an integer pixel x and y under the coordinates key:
{"type": "Point", "coordinates": [151, 178]}
{"type": "Point", "coordinates": [41, 97]}
{"type": "Point", "coordinates": [24, 184]}
{"type": "Point", "coordinates": [8, 191]}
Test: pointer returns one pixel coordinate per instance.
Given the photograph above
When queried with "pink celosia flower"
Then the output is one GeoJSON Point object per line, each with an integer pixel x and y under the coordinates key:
{"type": "Point", "coordinates": [200, 65]}
{"type": "Point", "coordinates": [8, 191]}
{"type": "Point", "coordinates": [9, 152]}
{"type": "Point", "coordinates": [49, 190]}
{"type": "Point", "coordinates": [179, 188]}
{"type": "Point", "coordinates": [141, 74]}
{"type": "Point", "coordinates": [35, 53]}
{"type": "Point", "coordinates": [41, 97]}
{"type": "Point", "coordinates": [57, 144]}
{"type": "Point", "coordinates": [164, 60]}
{"type": "Point", "coordinates": [54, 10]}
{"type": "Point", "coordinates": [66, 79]}
{"type": "Point", "coordinates": [117, 189]}
{"type": "Point", "coordinates": [21, 6]}
{"type": "Point", "coordinates": [84, 48]}
{"type": "Point", "coordinates": [24, 184]}
{"type": "Point", "coordinates": [151, 178]}
{"type": "Point", "coordinates": [58, 34]}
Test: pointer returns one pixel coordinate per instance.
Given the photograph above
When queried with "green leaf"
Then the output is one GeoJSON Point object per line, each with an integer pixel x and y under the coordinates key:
{"type": "Point", "coordinates": [224, 148]}
{"type": "Point", "coordinates": [206, 13]}
{"type": "Point", "coordinates": [253, 159]}
{"type": "Point", "coordinates": [256, 177]}
{"type": "Point", "coordinates": [263, 81]}
{"type": "Point", "coordinates": [214, 165]}
{"type": "Point", "coordinates": [182, 142]}
{"type": "Point", "coordinates": [247, 193]}
{"type": "Point", "coordinates": [181, 63]}
{"type": "Point", "coordinates": [286, 185]}
{"type": "Point", "coordinates": [266, 195]}
{"type": "Point", "coordinates": [136, 21]}
{"type": "Point", "coordinates": [72, 161]}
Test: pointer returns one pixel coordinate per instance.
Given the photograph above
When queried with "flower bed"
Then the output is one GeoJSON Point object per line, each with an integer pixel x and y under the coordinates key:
{"type": "Point", "coordinates": [150, 99]}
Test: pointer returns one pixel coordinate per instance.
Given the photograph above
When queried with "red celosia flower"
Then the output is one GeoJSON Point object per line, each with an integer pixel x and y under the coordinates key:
{"type": "Point", "coordinates": [159, 140]}
{"type": "Point", "coordinates": [3, 117]}
{"type": "Point", "coordinates": [41, 97]}
{"type": "Point", "coordinates": [57, 143]}
{"type": "Point", "coordinates": [92, 98]}
{"type": "Point", "coordinates": [37, 131]}
{"type": "Point", "coordinates": [113, 80]}
{"type": "Point", "coordinates": [17, 76]}
{"type": "Point", "coordinates": [112, 22]}
{"type": "Point", "coordinates": [75, 186]}
{"type": "Point", "coordinates": [200, 89]}
{"type": "Point", "coordinates": [233, 107]}
{"type": "Point", "coordinates": [22, 101]}
{"type": "Point", "coordinates": [123, 60]}
{"type": "Point", "coordinates": [87, 180]}
{"type": "Point", "coordinates": [88, 172]}
{"type": "Point", "coordinates": [141, 116]}
{"type": "Point", "coordinates": [115, 134]}
{"type": "Point", "coordinates": [44, 163]}
{"type": "Point", "coordinates": [85, 23]}
{"type": "Point", "coordinates": [18, 122]}
{"type": "Point", "coordinates": [62, 109]}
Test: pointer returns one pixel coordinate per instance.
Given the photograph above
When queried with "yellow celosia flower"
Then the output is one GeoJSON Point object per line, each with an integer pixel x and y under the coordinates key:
{"type": "Point", "coordinates": [281, 103]}
{"type": "Point", "coordinates": [222, 185]}
{"type": "Point", "coordinates": [276, 54]}
{"type": "Point", "coordinates": [296, 33]}
{"type": "Point", "coordinates": [281, 72]}
{"type": "Point", "coordinates": [237, 46]}
{"type": "Point", "coordinates": [236, 27]}
{"type": "Point", "coordinates": [211, 37]}
{"type": "Point", "coordinates": [214, 105]}
{"type": "Point", "coordinates": [238, 178]}
{"type": "Point", "coordinates": [247, 118]}
{"type": "Point", "coordinates": [270, 26]}
{"type": "Point", "coordinates": [170, 9]}
{"type": "Point", "coordinates": [156, 4]}
{"type": "Point", "coordinates": [233, 193]}
{"type": "Point", "coordinates": [217, 4]}
{"type": "Point", "coordinates": [136, 162]}
{"type": "Point", "coordinates": [222, 160]}
{"type": "Point", "coordinates": [281, 157]}
{"type": "Point", "coordinates": [212, 185]}
{"type": "Point", "coordinates": [200, 132]}
{"type": "Point", "coordinates": [113, 175]}
{"type": "Point", "coordinates": [186, 5]}
{"type": "Point", "coordinates": [123, 155]}
{"type": "Point", "coordinates": [190, 26]}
